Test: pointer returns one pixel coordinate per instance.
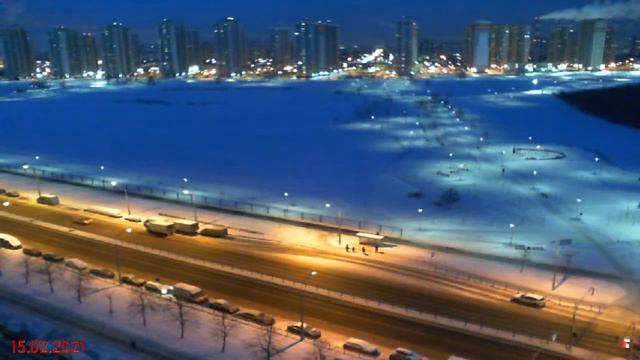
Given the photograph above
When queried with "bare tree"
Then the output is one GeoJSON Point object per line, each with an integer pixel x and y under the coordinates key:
{"type": "Point", "coordinates": [141, 305]}
{"type": "Point", "coordinates": [80, 285]}
{"type": "Point", "coordinates": [26, 261]}
{"type": "Point", "coordinates": [181, 314]}
{"type": "Point", "coordinates": [223, 331]}
{"type": "Point", "coordinates": [51, 272]}
{"type": "Point", "coordinates": [265, 345]}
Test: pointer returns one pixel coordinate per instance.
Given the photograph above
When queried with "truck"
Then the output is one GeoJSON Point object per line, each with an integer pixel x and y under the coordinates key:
{"type": "Point", "coordinates": [159, 226]}
{"type": "Point", "coordinates": [48, 199]}
{"type": "Point", "coordinates": [189, 293]}
{"type": "Point", "coordinates": [186, 227]}
{"type": "Point", "coordinates": [215, 231]}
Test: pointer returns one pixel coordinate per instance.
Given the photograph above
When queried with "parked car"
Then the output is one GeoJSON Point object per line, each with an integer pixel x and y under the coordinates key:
{"type": "Point", "coordinates": [404, 354]}
{"type": "Point", "coordinates": [10, 242]}
{"type": "Point", "coordinates": [159, 288]}
{"type": "Point", "coordinates": [82, 220]}
{"type": "Point", "coordinates": [223, 305]}
{"type": "Point", "coordinates": [103, 273]}
{"type": "Point", "coordinates": [32, 252]}
{"type": "Point", "coordinates": [189, 293]}
{"type": "Point", "coordinates": [309, 331]}
{"type": "Point", "coordinates": [76, 264]}
{"type": "Point", "coordinates": [133, 280]}
{"type": "Point", "coordinates": [360, 346]}
{"type": "Point", "coordinates": [530, 299]}
{"type": "Point", "coordinates": [48, 199]}
{"type": "Point", "coordinates": [53, 257]}
{"type": "Point", "coordinates": [13, 193]}
{"type": "Point", "coordinates": [256, 317]}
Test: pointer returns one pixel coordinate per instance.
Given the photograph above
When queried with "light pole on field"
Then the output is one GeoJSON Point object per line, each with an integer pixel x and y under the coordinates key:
{"type": "Point", "coordinates": [26, 167]}
{"type": "Point", "coordinates": [193, 205]}
{"type": "Point", "coordinates": [511, 227]}
{"type": "Point", "coordinates": [592, 291]}
{"type": "Point", "coordinates": [304, 283]}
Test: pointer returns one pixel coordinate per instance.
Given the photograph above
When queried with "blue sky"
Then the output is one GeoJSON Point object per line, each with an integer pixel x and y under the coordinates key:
{"type": "Point", "coordinates": [363, 21]}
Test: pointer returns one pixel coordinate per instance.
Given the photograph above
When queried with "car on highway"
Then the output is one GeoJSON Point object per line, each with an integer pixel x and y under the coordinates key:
{"type": "Point", "coordinates": [529, 299]}
{"type": "Point", "coordinates": [223, 305]}
{"type": "Point", "coordinates": [132, 280]}
{"type": "Point", "coordinates": [189, 293]}
{"type": "Point", "coordinates": [103, 273]}
{"type": "Point", "coordinates": [404, 354]}
{"type": "Point", "coordinates": [309, 331]}
{"type": "Point", "coordinates": [10, 242]}
{"type": "Point", "coordinates": [360, 346]}
{"type": "Point", "coordinates": [82, 220]}
{"type": "Point", "coordinates": [256, 317]}
{"type": "Point", "coordinates": [158, 288]}
{"type": "Point", "coordinates": [53, 257]}
{"type": "Point", "coordinates": [76, 264]}
{"type": "Point", "coordinates": [32, 252]}
{"type": "Point", "coordinates": [13, 193]}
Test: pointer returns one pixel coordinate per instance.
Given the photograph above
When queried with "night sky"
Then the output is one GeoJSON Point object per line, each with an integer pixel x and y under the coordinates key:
{"type": "Point", "coordinates": [369, 22]}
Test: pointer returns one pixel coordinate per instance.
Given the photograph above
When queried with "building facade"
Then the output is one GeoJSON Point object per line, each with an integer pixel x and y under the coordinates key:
{"type": "Point", "coordinates": [118, 57]}
{"type": "Point", "coordinates": [479, 39]}
{"type": "Point", "coordinates": [230, 47]}
{"type": "Point", "coordinates": [281, 47]}
{"type": "Point", "coordinates": [64, 52]}
{"type": "Point", "coordinates": [407, 46]}
{"type": "Point", "coordinates": [15, 51]}
{"type": "Point", "coordinates": [592, 42]}
{"type": "Point", "coordinates": [88, 53]}
{"type": "Point", "coordinates": [173, 48]}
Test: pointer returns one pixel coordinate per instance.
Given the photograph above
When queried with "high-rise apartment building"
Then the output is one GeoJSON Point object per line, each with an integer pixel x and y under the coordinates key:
{"type": "Point", "coordinates": [591, 43]}
{"type": "Point", "coordinates": [281, 47]}
{"type": "Point", "coordinates": [406, 55]}
{"type": "Point", "coordinates": [230, 47]}
{"type": "Point", "coordinates": [64, 52]}
{"type": "Point", "coordinates": [15, 52]}
{"type": "Point", "coordinates": [173, 48]}
{"type": "Point", "coordinates": [119, 58]}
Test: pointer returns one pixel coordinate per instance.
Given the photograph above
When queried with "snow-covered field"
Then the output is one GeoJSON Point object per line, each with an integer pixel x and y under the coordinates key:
{"type": "Point", "coordinates": [384, 151]}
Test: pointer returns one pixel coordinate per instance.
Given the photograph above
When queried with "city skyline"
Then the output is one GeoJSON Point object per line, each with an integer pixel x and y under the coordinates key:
{"type": "Point", "coordinates": [374, 22]}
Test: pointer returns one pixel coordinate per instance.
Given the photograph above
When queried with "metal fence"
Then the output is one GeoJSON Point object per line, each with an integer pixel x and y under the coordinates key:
{"type": "Point", "coordinates": [208, 201]}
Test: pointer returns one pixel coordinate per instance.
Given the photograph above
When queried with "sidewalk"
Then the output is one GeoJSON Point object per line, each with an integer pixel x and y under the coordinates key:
{"type": "Point", "coordinates": [538, 280]}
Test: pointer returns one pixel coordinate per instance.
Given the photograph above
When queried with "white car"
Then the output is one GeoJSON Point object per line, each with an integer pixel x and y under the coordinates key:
{"type": "Point", "coordinates": [158, 288]}
{"type": "Point", "coordinates": [404, 354]}
{"type": "Point", "coordinates": [309, 331]}
{"type": "Point", "coordinates": [530, 299]}
{"type": "Point", "coordinates": [360, 346]}
{"type": "Point", "coordinates": [76, 264]}
{"type": "Point", "coordinates": [223, 305]}
{"type": "Point", "coordinates": [10, 242]}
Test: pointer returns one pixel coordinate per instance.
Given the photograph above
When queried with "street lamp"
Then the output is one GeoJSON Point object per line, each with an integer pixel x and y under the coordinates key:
{"type": "Point", "coordinates": [304, 283]}
{"type": "Point", "coordinates": [592, 291]}
{"type": "Point", "coordinates": [26, 167]}
{"type": "Point", "coordinates": [511, 226]}
{"type": "Point", "coordinates": [126, 195]}
{"type": "Point", "coordinates": [195, 212]}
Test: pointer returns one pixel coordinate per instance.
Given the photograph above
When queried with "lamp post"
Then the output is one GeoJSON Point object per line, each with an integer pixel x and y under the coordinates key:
{"type": "Point", "coordinates": [511, 227]}
{"type": "Point", "coordinates": [126, 195]}
{"type": "Point", "coordinates": [304, 282]}
{"type": "Point", "coordinates": [195, 212]}
{"type": "Point", "coordinates": [592, 291]}
{"type": "Point", "coordinates": [26, 167]}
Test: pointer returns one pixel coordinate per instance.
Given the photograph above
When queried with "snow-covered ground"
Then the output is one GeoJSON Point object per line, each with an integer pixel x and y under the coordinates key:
{"type": "Point", "coordinates": [381, 151]}
{"type": "Point", "coordinates": [107, 309]}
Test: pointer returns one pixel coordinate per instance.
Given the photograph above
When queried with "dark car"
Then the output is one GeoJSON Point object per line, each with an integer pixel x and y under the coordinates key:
{"type": "Point", "coordinates": [53, 257]}
{"type": "Point", "coordinates": [223, 305]}
{"type": "Point", "coordinates": [256, 317]}
{"type": "Point", "coordinates": [133, 280]}
{"type": "Point", "coordinates": [103, 273]}
{"type": "Point", "coordinates": [32, 252]}
{"type": "Point", "coordinates": [13, 193]}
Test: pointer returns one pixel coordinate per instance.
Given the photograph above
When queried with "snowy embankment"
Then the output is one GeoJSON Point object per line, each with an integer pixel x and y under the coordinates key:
{"type": "Point", "coordinates": [120, 322]}
{"type": "Point", "coordinates": [384, 151]}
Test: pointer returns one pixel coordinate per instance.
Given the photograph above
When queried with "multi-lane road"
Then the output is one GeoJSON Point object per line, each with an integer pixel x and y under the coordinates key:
{"type": "Point", "coordinates": [426, 291]}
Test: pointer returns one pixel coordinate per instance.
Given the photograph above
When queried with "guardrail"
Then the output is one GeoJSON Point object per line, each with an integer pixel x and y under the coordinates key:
{"type": "Point", "coordinates": [441, 321]}
{"type": "Point", "coordinates": [207, 201]}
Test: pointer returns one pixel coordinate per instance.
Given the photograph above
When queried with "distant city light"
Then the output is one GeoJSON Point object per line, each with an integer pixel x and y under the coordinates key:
{"type": "Point", "coordinates": [286, 194]}
{"type": "Point", "coordinates": [114, 183]}
{"type": "Point", "coordinates": [420, 210]}
{"type": "Point", "coordinates": [6, 203]}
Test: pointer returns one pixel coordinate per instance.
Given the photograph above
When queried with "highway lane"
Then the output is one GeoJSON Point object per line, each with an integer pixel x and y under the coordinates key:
{"type": "Point", "coordinates": [337, 317]}
{"type": "Point", "coordinates": [600, 336]}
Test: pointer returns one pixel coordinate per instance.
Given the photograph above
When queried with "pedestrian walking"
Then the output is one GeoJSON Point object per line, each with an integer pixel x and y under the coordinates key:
{"type": "Point", "coordinates": [364, 251]}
